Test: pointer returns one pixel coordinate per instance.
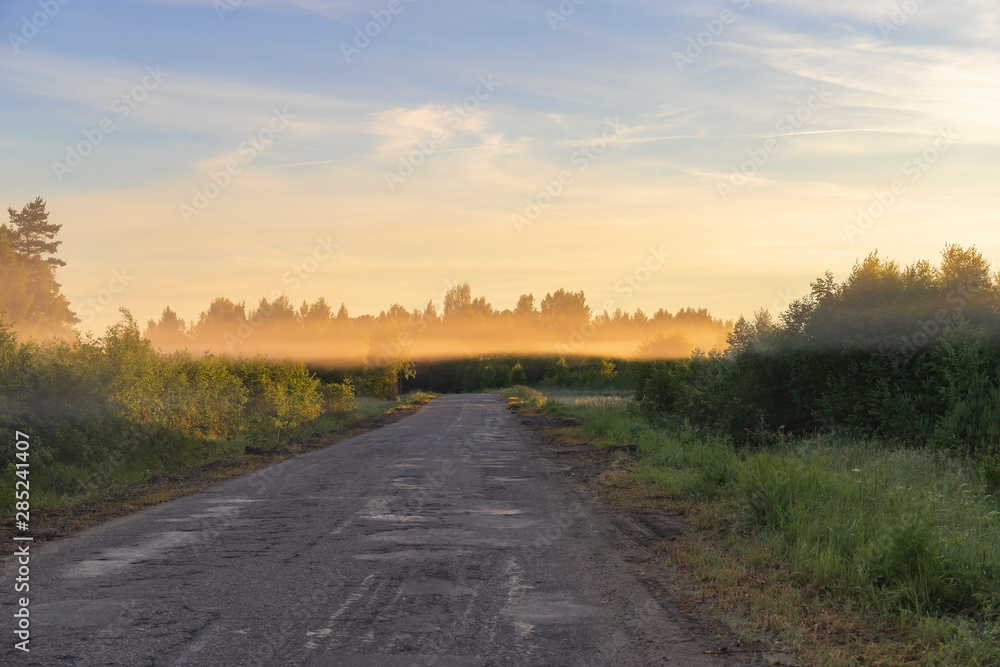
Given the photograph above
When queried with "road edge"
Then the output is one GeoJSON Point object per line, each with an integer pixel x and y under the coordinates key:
{"type": "Point", "coordinates": [53, 524]}
{"type": "Point", "coordinates": [672, 582]}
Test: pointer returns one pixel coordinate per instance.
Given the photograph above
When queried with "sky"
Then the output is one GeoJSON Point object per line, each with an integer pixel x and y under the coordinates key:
{"type": "Point", "coordinates": [653, 154]}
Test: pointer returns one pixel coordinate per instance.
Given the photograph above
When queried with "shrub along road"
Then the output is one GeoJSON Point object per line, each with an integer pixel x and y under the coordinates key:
{"type": "Point", "coordinates": [445, 538]}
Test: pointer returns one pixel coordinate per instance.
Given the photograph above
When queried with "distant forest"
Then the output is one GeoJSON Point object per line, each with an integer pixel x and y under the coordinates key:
{"type": "Point", "coordinates": [560, 323]}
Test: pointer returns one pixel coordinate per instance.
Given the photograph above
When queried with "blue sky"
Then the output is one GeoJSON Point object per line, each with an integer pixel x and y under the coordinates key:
{"type": "Point", "coordinates": [889, 86]}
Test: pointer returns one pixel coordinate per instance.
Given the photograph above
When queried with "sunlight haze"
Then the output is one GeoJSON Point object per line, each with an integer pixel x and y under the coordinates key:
{"type": "Point", "coordinates": [418, 151]}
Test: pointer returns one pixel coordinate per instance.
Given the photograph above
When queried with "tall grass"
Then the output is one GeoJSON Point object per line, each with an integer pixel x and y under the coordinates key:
{"type": "Point", "coordinates": [907, 535]}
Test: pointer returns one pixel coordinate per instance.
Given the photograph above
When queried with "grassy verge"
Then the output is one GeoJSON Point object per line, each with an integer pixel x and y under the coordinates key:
{"type": "Point", "coordinates": [132, 485]}
{"type": "Point", "coordinates": [222, 452]}
{"type": "Point", "coordinates": [848, 551]}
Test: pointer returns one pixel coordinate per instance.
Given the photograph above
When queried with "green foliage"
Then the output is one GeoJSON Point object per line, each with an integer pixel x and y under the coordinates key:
{"type": "Point", "coordinates": [101, 409]}
{"type": "Point", "coordinates": [208, 382]}
{"type": "Point", "coordinates": [31, 299]}
{"type": "Point", "coordinates": [384, 380]}
{"type": "Point", "coordinates": [472, 375]}
{"type": "Point", "coordinates": [894, 531]}
{"type": "Point", "coordinates": [31, 234]}
{"type": "Point", "coordinates": [475, 374]}
{"type": "Point", "coordinates": [280, 395]}
{"type": "Point", "coordinates": [602, 375]}
{"type": "Point", "coordinates": [527, 396]}
{"type": "Point", "coordinates": [972, 424]}
{"type": "Point", "coordinates": [907, 354]}
{"type": "Point", "coordinates": [516, 375]}
{"type": "Point", "coordinates": [989, 471]}
{"type": "Point", "coordinates": [563, 309]}
{"type": "Point", "coordinates": [561, 375]}
{"type": "Point", "coordinates": [339, 398]}
{"type": "Point", "coordinates": [489, 377]}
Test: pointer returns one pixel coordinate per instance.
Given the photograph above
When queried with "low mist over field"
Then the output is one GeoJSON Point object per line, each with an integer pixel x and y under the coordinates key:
{"type": "Point", "coordinates": [561, 324]}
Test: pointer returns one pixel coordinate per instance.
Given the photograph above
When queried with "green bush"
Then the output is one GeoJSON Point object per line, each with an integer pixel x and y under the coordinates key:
{"type": "Point", "coordinates": [280, 394]}
{"type": "Point", "coordinates": [489, 377]}
{"type": "Point", "coordinates": [972, 424]}
{"type": "Point", "coordinates": [339, 398]}
{"type": "Point", "coordinates": [383, 381]}
{"type": "Point", "coordinates": [516, 375]}
{"type": "Point", "coordinates": [909, 355]}
{"type": "Point", "coordinates": [102, 409]}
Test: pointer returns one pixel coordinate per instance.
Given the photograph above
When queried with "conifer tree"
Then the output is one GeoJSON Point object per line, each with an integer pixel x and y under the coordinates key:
{"type": "Point", "coordinates": [32, 235]}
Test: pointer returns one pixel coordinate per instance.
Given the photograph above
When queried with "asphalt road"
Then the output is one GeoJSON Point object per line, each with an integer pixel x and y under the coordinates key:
{"type": "Point", "coordinates": [446, 538]}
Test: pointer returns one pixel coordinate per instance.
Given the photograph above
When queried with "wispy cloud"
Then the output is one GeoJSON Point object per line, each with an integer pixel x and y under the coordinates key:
{"type": "Point", "coordinates": [684, 131]}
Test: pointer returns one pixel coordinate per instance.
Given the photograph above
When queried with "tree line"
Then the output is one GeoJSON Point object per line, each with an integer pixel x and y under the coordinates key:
{"type": "Point", "coordinates": [560, 324]}
{"type": "Point", "coordinates": [907, 353]}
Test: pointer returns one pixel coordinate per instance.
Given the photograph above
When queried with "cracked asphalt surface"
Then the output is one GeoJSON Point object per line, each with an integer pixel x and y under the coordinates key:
{"type": "Point", "coordinates": [446, 538]}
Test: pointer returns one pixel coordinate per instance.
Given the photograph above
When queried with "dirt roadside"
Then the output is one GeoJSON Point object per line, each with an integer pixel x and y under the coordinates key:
{"type": "Point", "coordinates": [648, 524]}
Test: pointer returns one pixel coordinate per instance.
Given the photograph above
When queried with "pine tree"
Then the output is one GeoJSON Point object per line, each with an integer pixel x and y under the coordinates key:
{"type": "Point", "coordinates": [31, 300]}
{"type": "Point", "coordinates": [32, 235]}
